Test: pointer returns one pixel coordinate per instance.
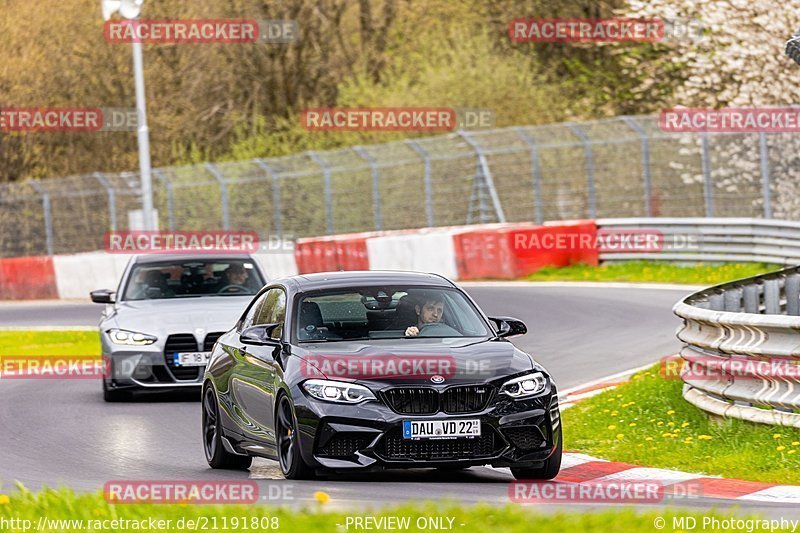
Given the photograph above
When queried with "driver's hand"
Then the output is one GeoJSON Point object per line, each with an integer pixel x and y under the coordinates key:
{"type": "Point", "coordinates": [412, 331]}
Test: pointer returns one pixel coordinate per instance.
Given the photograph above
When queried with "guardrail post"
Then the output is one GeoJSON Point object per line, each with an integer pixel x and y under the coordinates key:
{"type": "Point", "coordinates": [112, 200]}
{"type": "Point", "coordinates": [376, 184]}
{"type": "Point", "coordinates": [48, 215]}
{"type": "Point", "coordinates": [646, 178]}
{"type": "Point", "coordinates": [764, 157]}
{"type": "Point", "coordinates": [733, 300]}
{"type": "Point", "coordinates": [426, 159]}
{"type": "Point", "coordinates": [170, 198]}
{"type": "Point", "coordinates": [536, 173]}
{"type": "Point", "coordinates": [485, 171]}
{"type": "Point", "coordinates": [589, 157]}
{"type": "Point", "coordinates": [751, 303]}
{"type": "Point", "coordinates": [708, 187]}
{"type": "Point", "coordinates": [326, 177]}
{"type": "Point", "coordinates": [276, 195]}
{"type": "Point", "coordinates": [223, 191]}
{"type": "Point", "coordinates": [772, 297]}
{"type": "Point", "coordinates": [716, 302]}
{"type": "Point", "coordinates": [792, 289]}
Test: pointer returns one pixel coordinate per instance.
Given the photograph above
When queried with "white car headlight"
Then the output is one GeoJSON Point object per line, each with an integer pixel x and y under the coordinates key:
{"type": "Point", "coordinates": [524, 386]}
{"type": "Point", "coordinates": [130, 338]}
{"type": "Point", "coordinates": [337, 391]}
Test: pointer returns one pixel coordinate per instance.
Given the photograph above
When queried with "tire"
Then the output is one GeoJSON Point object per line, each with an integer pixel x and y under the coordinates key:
{"type": "Point", "coordinates": [288, 447]}
{"type": "Point", "coordinates": [550, 468]}
{"type": "Point", "coordinates": [216, 454]}
{"type": "Point", "coordinates": [113, 396]}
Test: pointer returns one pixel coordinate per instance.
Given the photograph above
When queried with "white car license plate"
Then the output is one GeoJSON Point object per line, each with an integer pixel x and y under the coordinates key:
{"type": "Point", "coordinates": [191, 358]}
{"type": "Point", "coordinates": [441, 429]}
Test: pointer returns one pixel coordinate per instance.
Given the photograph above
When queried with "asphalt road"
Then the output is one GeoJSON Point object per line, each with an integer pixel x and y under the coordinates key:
{"type": "Point", "coordinates": [62, 433]}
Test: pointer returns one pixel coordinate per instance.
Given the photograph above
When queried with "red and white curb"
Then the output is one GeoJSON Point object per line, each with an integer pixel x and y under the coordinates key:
{"type": "Point", "coordinates": [581, 468]}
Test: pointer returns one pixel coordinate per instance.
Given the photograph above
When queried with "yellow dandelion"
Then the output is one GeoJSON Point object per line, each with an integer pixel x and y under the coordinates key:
{"type": "Point", "coordinates": [671, 424]}
{"type": "Point", "coordinates": [671, 412]}
{"type": "Point", "coordinates": [780, 448]}
{"type": "Point", "coordinates": [790, 452]}
{"type": "Point", "coordinates": [796, 443]}
{"type": "Point", "coordinates": [660, 423]}
{"type": "Point", "coordinates": [685, 424]}
{"type": "Point", "coordinates": [632, 424]}
{"type": "Point", "coordinates": [322, 497]}
{"type": "Point", "coordinates": [612, 426]}
{"type": "Point", "coordinates": [4, 500]}
{"type": "Point", "coordinates": [704, 437]}
{"type": "Point", "coordinates": [777, 436]}
{"type": "Point", "coordinates": [648, 439]}
{"type": "Point", "coordinates": [620, 436]}
{"type": "Point", "coordinates": [614, 413]}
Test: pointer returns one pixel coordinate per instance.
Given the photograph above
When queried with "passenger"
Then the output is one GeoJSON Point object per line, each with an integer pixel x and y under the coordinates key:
{"type": "Point", "coordinates": [431, 312]}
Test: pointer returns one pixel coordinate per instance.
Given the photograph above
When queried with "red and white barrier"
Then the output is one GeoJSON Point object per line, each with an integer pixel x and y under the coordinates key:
{"type": "Point", "coordinates": [489, 251]}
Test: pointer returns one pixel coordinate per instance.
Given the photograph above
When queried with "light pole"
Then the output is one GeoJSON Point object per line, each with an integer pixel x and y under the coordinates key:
{"type": "Point", "coordinates": [130, 10]}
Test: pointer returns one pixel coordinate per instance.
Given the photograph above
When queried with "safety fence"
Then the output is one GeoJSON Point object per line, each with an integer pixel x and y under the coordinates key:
{"type": "Point", "coordinates": [619, 167]}
{"type": "Point", "coordinates": [742, 351]}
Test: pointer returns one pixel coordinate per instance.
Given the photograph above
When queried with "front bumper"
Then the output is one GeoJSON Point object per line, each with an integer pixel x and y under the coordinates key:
{"type": "Point", "coordinates": [144, 367]}
{"type": "Point", "coordinates": [368, 436]}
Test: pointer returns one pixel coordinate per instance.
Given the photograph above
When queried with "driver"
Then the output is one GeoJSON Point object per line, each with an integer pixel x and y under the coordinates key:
{"type": "Point", "coordinates": [235, 274]}
{"type": "Point", "coordinates": [430, 312]}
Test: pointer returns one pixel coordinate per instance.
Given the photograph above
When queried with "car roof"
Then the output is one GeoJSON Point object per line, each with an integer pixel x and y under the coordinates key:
{"type": "Point", "coordinates": [351, 278]}
{"type": "Point", "coordinates": [160, 258]}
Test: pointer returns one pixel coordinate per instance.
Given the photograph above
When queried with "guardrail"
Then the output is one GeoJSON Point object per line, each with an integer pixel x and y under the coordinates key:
{"type": "Point", "coordinates": [712, 240]}
{"type": "Point", "coordinates": [742, 348]}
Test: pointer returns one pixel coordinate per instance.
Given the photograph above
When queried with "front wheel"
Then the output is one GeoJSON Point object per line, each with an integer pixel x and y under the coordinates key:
{"type": "Point", "coordinates": [216, 454]}
{"type": "Point", "coordinates": [548, 470]}
{"type": "Point", "coordinates": [114, 395]}
{"type": "Point", "coordinates": [289, 458]}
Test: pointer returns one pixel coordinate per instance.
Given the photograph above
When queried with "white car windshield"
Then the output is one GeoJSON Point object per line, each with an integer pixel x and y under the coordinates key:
{"type": "Point", "coordinates": [185, 279]}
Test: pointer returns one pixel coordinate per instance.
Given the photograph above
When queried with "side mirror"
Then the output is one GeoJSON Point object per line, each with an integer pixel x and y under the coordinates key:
{"type": "Point", "coordinates": [260, 335]}
{"type": "Point", "coordinates": [508, 326]}
{"type": "Point", "coordinates": [102, 296]}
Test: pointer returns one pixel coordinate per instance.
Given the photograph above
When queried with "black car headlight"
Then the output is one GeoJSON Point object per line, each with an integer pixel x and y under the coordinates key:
{"type": "Point", "coordinates": [525, 386]}
{"type": "Point", "coordinates": [337, 391]}
{"type": "Point", "coordinates": [130, 338]}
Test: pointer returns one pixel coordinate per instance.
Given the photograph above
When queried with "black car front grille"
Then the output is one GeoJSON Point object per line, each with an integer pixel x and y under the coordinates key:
{"type": "Point", "coordinates": [428, 401]}
{"type": "Point", "coordinates": [394, 447]}
{"type": "Point", "coordinates": [467, 399]}
{"type": "Point", "coordinates": [413, 401]}
{"type": "Point", "coordinates": [343, 445]}
{"type": "Point", "coordinates": [211, 338]}
{"type": "Point", "coordinates": [181, 342]}
{"type": "Point", "coordinates": [524, 437]}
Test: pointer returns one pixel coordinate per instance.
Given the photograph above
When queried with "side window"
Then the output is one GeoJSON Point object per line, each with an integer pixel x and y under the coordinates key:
{"type": "Point", "coordinates": [248, 319]}
{"type": "Point", "coordinates": [273, 310]}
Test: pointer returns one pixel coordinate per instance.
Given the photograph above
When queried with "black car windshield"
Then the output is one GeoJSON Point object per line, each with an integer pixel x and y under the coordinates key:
{"type": "Point", "coordinates": [387, 313]}
{"type": "Point", "coordinates": [186, 279]}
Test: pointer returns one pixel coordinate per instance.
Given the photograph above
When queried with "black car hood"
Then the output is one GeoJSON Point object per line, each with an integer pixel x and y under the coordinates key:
{"type": "Point", "coordinates": [414, 361]}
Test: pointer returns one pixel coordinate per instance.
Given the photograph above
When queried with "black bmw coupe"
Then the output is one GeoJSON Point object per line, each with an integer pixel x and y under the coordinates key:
{"type": "Point", "coordinates": [360, 371]}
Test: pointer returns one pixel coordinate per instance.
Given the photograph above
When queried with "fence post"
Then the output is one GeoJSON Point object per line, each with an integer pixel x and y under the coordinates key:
{"type": "Point", "coordinates": [423, 153]}
{"type": "Point", "coordinates": [646, 177]}
{"type": "Point", "coordinates": [223, 191]}
{"type": "Point", "coordinates": [589, 157]}
{"type": "Point", "coordinates": [707, 185]}
{"type": "Point", "coordinates": [536, 173]}
{"type": "Point", "coordinates": [483, 166]}
{"type": "Point", "coordinates": [276, 195]}
{"type": "Point", "coordinates": [772, 297]}
{"type": "Point", "coordinates": [326, 176]}
{"type": "Point", "coordinates": [48, 217]}
{"type": "Point", "coordinates": [764, 156]}
{"type": "Point", "coordinates": [376, 184]}
{"type": "Point", "coordinates": [112, 200]}
{"type": "Point", "coordinates": [170, 199]}
{"type": "Point", "coordinates": [792, 289]}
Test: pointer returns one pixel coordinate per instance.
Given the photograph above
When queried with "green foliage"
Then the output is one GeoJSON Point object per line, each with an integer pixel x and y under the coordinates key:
{"type": "Point", "coordinates": [653, 271]}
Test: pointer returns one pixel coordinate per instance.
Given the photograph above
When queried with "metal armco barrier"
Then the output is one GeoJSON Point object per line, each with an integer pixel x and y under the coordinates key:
{"type": "Point", "coordinates": [711, 240]}
{"type": "Point", "coordinates": [756, 320]}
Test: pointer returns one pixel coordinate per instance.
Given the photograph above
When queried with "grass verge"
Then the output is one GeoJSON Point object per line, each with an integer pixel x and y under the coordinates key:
{"type": "Point", "coordinates": [27, 342]}
{"type": "Point", "coordinates": [652, 271]}
{"type": "Point", "coordinates": [64, 511]}
{"type": "Point", "coordinates": [647, 422]}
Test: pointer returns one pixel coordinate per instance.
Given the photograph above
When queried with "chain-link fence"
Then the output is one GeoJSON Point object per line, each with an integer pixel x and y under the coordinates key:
{"type": "Point", "coordinates": [621, 167]}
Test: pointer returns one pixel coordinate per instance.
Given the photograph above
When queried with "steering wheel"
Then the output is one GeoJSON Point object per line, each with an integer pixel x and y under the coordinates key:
{"type": "Point", "coordinates": [438, 329]}
{"type": "Point", "coordinates": [232, 288]}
